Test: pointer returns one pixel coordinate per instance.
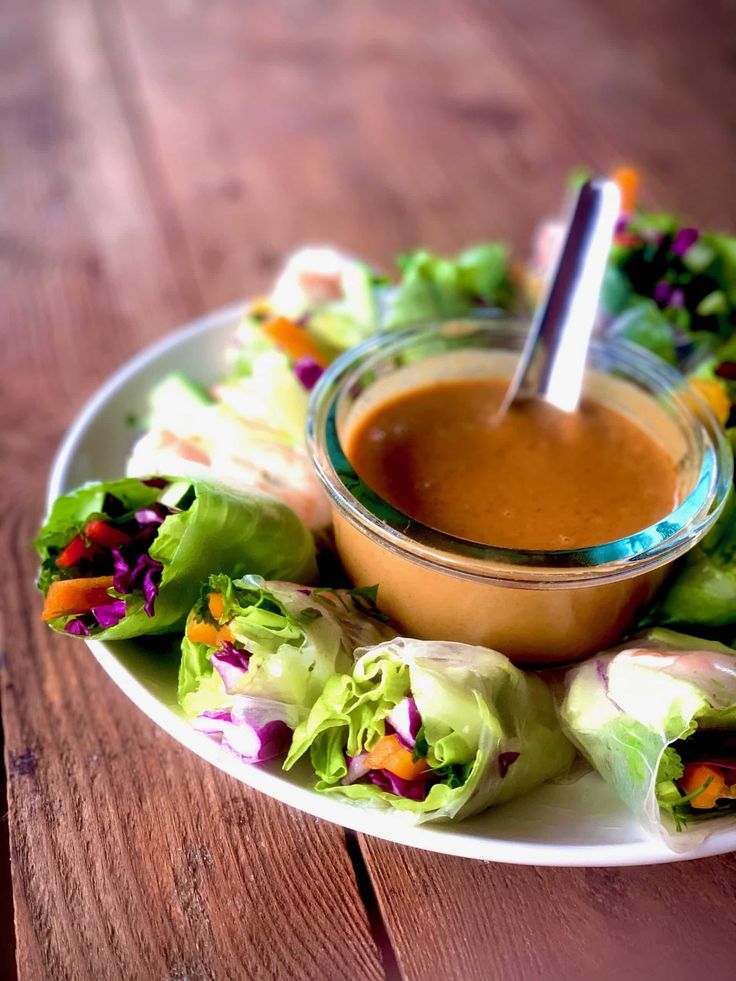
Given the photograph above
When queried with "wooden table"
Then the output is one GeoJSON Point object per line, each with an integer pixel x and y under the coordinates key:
{"type": "Point", "coordinates": [160, 159]}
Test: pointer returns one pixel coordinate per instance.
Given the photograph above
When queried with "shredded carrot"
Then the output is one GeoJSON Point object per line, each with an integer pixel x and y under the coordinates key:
{"type": "Point", "coordinates": [293, 340]}
{"type": "Point", "coordinates": [697, 775]}
{"type": "Point", "coordinates": [628, 184]}
{"type": "Point", "coordinates": [201, 632]}
{"type": "Point", "coordinates": [389, 754]}
{"type": "Point", "coordinates": [67, 596]}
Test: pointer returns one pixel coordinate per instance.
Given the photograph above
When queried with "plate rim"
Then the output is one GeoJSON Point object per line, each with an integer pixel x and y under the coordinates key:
{"type": "Point", "coordinates": [380, 824]}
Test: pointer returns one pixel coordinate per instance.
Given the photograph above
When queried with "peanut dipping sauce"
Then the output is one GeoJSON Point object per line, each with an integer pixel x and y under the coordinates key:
{"type": "Point", "coordinates": [538, 479]}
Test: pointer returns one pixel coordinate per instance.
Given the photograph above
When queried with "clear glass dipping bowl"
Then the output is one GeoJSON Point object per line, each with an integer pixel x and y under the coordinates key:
{"type": "Point", "coordinates": [536, 607]}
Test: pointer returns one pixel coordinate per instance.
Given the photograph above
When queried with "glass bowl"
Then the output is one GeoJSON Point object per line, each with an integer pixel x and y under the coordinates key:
{"type": "Point", "coordinates": [537, 607]}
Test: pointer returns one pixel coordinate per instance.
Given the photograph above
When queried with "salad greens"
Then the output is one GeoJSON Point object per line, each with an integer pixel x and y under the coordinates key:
{"type": "Point", "coordinates": [701, 593]}
{"type": "Point", "coordinates": [127, 557]}
{"type": "Point", "coordinates": [650, 716]}
{"type": "Point", "coordinates": [672, 289]}
{"type": "Point", "coordinates": [435, 729]}
{"type": "Point", "coordinates": [433, 288]}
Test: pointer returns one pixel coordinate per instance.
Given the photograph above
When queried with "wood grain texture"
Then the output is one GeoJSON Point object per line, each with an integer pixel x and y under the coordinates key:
{"type": "Point", "coordinates": [131, 859]}
{"type": "Point", "coordinates": [159, 160]}
{"type": "Point", "coordinates": [483, 920]}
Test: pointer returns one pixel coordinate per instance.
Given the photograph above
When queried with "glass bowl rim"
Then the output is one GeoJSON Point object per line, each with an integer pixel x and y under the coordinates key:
{"type": "Point", "coordinates": [634, 554]}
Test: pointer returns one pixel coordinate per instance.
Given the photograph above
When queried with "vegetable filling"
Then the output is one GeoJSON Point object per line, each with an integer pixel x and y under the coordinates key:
{"type": "Point", "coordinates": [104, 562]}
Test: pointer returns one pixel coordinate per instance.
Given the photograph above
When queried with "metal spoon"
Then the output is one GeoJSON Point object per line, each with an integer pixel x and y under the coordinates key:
{"type": "Point", "coordinates": [552, 362]}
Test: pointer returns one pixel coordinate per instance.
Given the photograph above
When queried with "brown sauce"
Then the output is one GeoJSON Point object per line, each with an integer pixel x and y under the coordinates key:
{"type": "Point", "coordinates": [539, 479]}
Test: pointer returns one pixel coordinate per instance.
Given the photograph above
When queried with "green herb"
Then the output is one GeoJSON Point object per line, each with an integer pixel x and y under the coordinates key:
{"type": "Point", "coordinates": [454, 774]}
{"type": "Point", "coordinates": [670, 766]}
{"type": "Point", "coordinates": [421, 746]}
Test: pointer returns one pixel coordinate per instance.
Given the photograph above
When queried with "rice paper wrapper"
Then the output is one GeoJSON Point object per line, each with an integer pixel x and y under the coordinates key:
{"type": "Point", "coordinates": [623, 708]}
{"type": "Point", "coordinates": [481, 716]}
{"type": "Point", "coordinates": [222, 531]}
{"type": "Point", "coordinates": [294, 637]}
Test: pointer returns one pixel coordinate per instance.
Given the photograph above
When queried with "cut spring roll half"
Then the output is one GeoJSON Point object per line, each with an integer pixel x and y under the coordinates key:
{"type": "Point", "coordinates": [127, 558]}
{"type": "Point", "coordinates": [259, 654]}
{"type": "Point", "coordinates": [657, 719]}
{"type": "Point", "coordinates": [435, 729]}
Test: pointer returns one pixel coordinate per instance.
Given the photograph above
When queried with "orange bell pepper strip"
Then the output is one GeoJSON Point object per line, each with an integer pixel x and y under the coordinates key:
{"type": "Point", "coordinates": [389, 754]}
{"type": "Point", "coordinates": [68, 596]}
{"type": "Point", "coordinates": [711, 779]}
{"type": "Point", "coordinates": [201, 632]}
{"type": "Point", "coordinates": [293, 340]}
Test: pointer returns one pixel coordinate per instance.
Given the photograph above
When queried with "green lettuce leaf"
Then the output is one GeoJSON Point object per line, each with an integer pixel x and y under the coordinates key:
{"type": "Point", "coordinates": [624, 710]}
{"type": "Point", "coordinates": [297, 638]}
{"type": "Point", "coordinates": [702, 590]}
{"type": "Point", "coordinates": [219, 532]}
{"type": "Point", "coordinates": [475, 707]}
{"type": "Point", "coordinates": [433, 288]}
{"type": "Point", "coordinates": [643, 323]}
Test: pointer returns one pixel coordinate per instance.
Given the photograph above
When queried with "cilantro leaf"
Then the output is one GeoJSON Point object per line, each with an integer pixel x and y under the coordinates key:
{"type": "Point", "coordinates": [670, 766]}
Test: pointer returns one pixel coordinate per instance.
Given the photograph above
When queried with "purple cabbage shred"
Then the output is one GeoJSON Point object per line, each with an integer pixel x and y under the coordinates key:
{"type": "Point", "coordinates": [253, 744]}
{"type": "Point", "coordinates": [684, 240]}
{"type": "Point", "coordinates": [677, 299]}
{"type": "Point", "coordinates": [110, 614]}
{"type": "Point", "coordinates": [213, 721]}
{"type": "Point", "coordinates": [391, 784]}
{"type": "Point", "coordinates": [134, 569]}
{"type": "Point", "coordinates": [356, 768]}
{"type": "Point", "coordinates": [154, 514]}
{"type": "Point", "coordinates": [77, 627]}
{"type": "Point", "coordinates": [275, 739]}
{"type": "Point", "coordinates": [405, 720]}
{"type": "Point", "coordinates": [231, 664]}
{"type": "Point", "coordinates": [308, 372]}
{"type": "Point", "coordinates": [504, 762]}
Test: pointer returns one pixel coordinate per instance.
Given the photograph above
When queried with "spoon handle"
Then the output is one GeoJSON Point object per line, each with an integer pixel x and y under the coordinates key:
{"type": "Point", "coordinates": [552, 363]}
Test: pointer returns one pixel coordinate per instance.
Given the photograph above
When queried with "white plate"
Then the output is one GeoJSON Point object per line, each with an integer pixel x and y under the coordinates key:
{"type": "Point", "coordinates": [580, 823]}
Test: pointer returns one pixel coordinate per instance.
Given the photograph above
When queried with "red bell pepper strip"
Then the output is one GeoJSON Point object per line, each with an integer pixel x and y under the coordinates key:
{"type": "Point", "coordinates": [100, 533]}
{"type": "Point", "coordinates": [97, 534]}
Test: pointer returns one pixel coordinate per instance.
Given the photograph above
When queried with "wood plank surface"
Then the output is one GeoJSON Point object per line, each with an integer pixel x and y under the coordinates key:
{"type": "Point", "coordinates": [483, 920]}
{"type": "Point", "coordinates": [159, 160]}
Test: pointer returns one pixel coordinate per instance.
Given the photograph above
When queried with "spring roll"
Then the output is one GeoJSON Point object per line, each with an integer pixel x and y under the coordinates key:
{"type": "Point", "coordinates": [127, 558]}
{"type": "Point", "coordinates": [657, 718]}
{"type": "Point", "coordinates": [435, 729]}
{"type": "Point", "coordinates": [258, 654]}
